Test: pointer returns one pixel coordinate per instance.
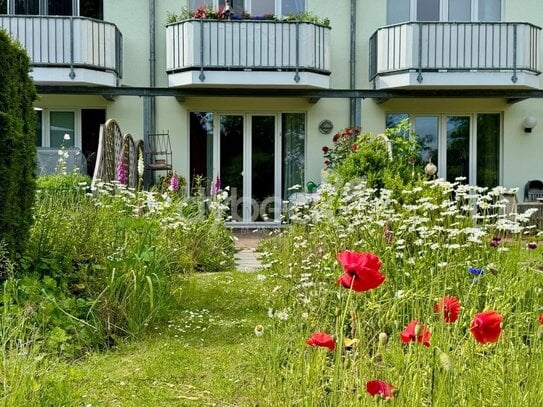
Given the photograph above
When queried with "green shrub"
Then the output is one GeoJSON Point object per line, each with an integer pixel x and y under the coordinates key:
{"type": "Point", "coordinates": [17, 149]}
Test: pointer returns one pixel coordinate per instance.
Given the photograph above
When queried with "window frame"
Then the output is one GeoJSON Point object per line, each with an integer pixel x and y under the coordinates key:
{"type": "Point", "coordinates": [46, 126]}
{"type": "Point", "coordinates": [278, 5]}
{"type": "Point", "coordinates": [444, 11]}
{"type": "Point", "coordinates": [442, 138]}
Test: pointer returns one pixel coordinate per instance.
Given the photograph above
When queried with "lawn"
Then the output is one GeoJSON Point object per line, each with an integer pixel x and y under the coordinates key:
{"type": "Point", "coordinates": [204, 355]}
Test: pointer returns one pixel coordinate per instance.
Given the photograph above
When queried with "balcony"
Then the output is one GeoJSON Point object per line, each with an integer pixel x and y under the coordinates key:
{"type": "Point", "coordinates": [250, 53]}
{"type": "Point", "coordinates": [68, 50]}
{"type": "Point", "coordinates": [455, 54]}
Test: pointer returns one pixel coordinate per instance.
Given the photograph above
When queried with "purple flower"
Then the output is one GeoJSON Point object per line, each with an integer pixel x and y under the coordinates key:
{"type": "Point", "coordinates": [216, 187]}
{"type": "Point", "coordinates": [475, 271]}
{"type": "Point", "coordinates": [174, 182]}
{"type": "Point", "coordinates": [121, 172]}
{"type": "Point", "coordinates": [494, 243]}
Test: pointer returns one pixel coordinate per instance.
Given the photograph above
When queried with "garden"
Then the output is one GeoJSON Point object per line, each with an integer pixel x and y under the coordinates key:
{"type": "Point", "coordinates": [394, 287]}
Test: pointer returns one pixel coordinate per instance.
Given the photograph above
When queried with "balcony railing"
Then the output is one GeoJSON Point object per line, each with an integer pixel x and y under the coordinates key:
{"type": "Point", "coordinates": [455, 47]}
{"type": "Point", "coordinates": [80, 45]}
{"type": "Point", "coordinates": [246, 46]}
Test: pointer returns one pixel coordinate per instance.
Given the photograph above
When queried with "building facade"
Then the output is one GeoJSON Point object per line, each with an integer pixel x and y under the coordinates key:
{"type": "Point", "coordinates": [252, 101]}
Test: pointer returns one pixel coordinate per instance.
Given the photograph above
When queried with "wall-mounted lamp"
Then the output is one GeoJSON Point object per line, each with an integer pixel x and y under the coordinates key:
{"type": "Point", "coordinates": [529, 123]}
{"type": "Point", "coordinates": [326, 126]}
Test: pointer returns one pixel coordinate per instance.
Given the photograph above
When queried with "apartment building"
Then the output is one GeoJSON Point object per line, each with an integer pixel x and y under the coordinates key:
{"type": "Point", "coordinates": [252, 101]}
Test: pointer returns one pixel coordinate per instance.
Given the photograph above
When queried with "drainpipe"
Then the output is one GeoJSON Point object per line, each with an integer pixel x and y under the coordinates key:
{"type": "Point", "coordinates": [149, 124]}
{"type": "Point", "coordinates": [355, 103]}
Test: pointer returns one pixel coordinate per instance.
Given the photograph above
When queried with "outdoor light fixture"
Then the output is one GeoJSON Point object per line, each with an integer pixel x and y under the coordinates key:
{"type": "Point", "coordinates": [529, 123]}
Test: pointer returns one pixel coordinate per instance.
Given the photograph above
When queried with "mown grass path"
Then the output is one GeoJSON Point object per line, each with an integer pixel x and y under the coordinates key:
{"type": "Point", "coordinates": [203, 356]}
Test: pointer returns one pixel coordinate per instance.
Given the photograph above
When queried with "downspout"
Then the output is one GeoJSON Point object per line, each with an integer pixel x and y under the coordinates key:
{"type": "Point", "coordinates": [355, 103]}
{"type": "Point", "coordinates": [149, 101]}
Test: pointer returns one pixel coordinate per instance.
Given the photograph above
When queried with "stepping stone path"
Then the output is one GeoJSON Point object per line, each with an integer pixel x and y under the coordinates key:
{"type": "Point", "coordinates": [246, 256]}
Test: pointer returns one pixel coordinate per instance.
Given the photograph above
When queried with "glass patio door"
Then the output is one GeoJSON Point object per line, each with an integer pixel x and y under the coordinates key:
{"type": "Point", "coordinates": [248, 161]}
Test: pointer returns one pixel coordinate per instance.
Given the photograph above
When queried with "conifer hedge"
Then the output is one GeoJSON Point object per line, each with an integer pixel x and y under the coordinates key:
{"type": "Point", "coordinates": [17, 146]}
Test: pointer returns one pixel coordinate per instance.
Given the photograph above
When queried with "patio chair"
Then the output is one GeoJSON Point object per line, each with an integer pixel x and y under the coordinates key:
{"type": "Point", "coordinates": [533, 190]}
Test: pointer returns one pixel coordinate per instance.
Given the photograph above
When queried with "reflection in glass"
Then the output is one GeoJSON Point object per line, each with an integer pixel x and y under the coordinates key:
{"type": "Point", "coordinates": [62, 123]}
{"type": "Point", "coordinates": [460, 10]}
{"type": "Point", "coordinates": [201, 147]}
{"type": "Point", "coordinates": [231, 161]}
{"type": "Point", "coordinates": [27, 7]}
{"type": "Point", "coordinates": [488, 149]}
{"type": "Point", "coordinates": [458, 148]}
{"type": "Point", "coordinates": [427, 129]}
{"type": "Point", "coordinates": [490, 10]}
{"type": "Point", "coordinates": [397, 11]}
{"type": "Point", "coordinates": [263, 166]}
{"type": "Point", "coordinates": [59, 8]}
{"type": "Point", "coordinates": [293, 131]}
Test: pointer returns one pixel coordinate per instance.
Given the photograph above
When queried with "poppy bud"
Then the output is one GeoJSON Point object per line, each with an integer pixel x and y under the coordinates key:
{"type": "Point", "coordinates": [383, 339]}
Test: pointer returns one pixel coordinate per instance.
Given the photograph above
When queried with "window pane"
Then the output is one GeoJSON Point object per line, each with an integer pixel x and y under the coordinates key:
{"type": "Point", "coordinates": [292, 7]}
{"type": "Point", "coordinates": [293, 131]}
{"type": "Point", "coordinates": [263, 167]}
{"type": "Point", "coordinates": [231, 167]}
{"type": "Point", "coordinates": [59, 8]}
{"type": "Point", "coordinates": [397, 11]}
{"type": "Point", "coordinates": [62, 123]}
{"type": "Point", "coordinates": [427, 129]}
{"type": "Point", "coordinates": [92, 9]}
{"type": "Point", "coordinates": [27, 7]}
{"type": "Point", "coordinates": [393, 119]}
{"type": "Point", "coordinates": [457, 148]}
{"type": "Point", "coordinates": [488, 150]}
{"type": "Point", "coordinates": [490, 10]}
{"type": "Point", "coordinates": [460, 10]}
{"type": "Point", "coordinates": [427, 10]}
{"type": "Point", "coordinates": [38, 128]}
{"type": "Point", "coordinates": [194, 4]}
{"type": "Point", "coordinates": [201, 147]}
{"type": "Point", "coordinates": [3, 6]}
{"type": "Point", "coordinates": [262, 7]}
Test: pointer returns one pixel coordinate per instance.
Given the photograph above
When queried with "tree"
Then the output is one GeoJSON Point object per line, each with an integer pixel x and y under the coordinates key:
{"type": "Point", "coordinates": [17, 148]}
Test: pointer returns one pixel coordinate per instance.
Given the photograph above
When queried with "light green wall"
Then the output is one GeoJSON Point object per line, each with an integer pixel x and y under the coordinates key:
{"type": "Point", "coordinates": [521, 156]}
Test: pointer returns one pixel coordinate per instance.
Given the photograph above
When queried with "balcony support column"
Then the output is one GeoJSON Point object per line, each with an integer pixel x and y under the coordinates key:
{"type": "Point", "coordinates": [514, 78]}
{"type": "Point", "coordinates": [355, 105]}
{"type": "Point", "coordinates": [72, 71]}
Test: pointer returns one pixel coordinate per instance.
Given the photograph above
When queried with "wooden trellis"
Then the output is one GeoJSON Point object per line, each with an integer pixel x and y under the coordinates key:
{"type": "Point", "coordinates": [112, 148]}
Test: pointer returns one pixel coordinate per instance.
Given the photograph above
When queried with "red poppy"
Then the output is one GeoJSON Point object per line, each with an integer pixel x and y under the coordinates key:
{"type": "Point", "coordinates": [361, 270]}
{"type": "Point", "coordinates": [449, 307]}
{"type": "Point", "coordinates": [378, 387]}
{"type": "Point", "coordinates": [355, 147]}
{"type": "Point", "coordinates": [416, 331]}
{"type": "Point", "coordinates": [321, 339]}
{"type": "Point", "coordinates": [541, 319]}
{"type": "Point", "coordinates": [486, 326]}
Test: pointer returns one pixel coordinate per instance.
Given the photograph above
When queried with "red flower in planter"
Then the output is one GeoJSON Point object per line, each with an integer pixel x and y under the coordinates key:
{"type": "Point", "coordinates": [361, 270]}
{"type": "Point", "coordinates": [486, 326]}
{"type": "Point", "coordinates": [416, 331]}
{"type": "Point", "coordinates": [321, 339]}
{"type": "Point", "coordinates": [380, 388]}
{"type": "Point", "coordinates": [449, 307]}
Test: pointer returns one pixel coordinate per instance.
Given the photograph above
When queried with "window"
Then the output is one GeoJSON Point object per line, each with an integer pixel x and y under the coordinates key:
{"type": "Point", "coordinates": [399, 11]}
{"type": "Point", "coordinates": [255, 7]}
{"type": "Point", "coordinates": [460, 10]}
{"type": "Point", "coordinates": [460, 145]}
{"type": "Point", "coordinates": [428, 10]}
{"type": "Point", "coordinates": [86, 8]}
{"type": "Point", "coordinates": [61, 124]}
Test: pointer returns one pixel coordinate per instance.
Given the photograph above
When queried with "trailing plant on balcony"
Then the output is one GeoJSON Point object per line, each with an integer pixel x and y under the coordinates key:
{"type": "Point", "coordinates": [209, 13]}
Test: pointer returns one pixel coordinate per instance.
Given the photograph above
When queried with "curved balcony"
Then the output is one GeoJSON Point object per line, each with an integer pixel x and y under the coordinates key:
{"type": "Point", "coordinates": [68, 50]}
{"type": "Point", "coordinates": [255, 53]}
{"type": "Point", "coordinates": [455, 54]}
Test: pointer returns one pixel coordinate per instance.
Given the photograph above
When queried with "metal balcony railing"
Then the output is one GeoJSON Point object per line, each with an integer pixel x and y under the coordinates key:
{"type": "Point", "coordinates": [455, 46]}
{"type": "Point", "coordinates": [247, 45]}
{"type": "Point", "coordinates": [73, 42]}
